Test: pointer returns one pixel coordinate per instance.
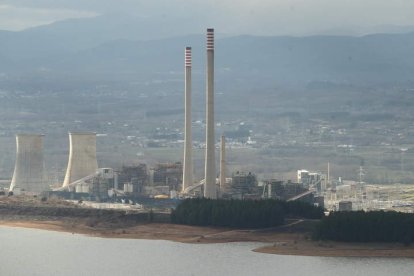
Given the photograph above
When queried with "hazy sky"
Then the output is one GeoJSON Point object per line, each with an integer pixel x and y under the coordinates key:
{"type": "Point", "coordinates": [264, 17]}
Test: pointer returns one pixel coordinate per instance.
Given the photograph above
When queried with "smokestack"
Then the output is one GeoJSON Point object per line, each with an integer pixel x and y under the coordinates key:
{"type": "Point", "coordinates": [329, 171]}
{"type": "Point", "coordinates": [82, 156]}
{"type": "Point", "coordinates": [210, 169]}
{"type": "Point", "coordinates": [28, 170]}
{"type": "Point", "coordinates": [223, 165]}
{"type": "Point", "coordinates": [188, 143]}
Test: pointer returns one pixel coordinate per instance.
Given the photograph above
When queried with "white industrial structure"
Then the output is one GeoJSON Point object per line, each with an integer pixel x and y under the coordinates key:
{"type": "Point", "coordinates": [210, 162]}
{"type": "Point", "coordinates": [188, 143]}
{"type": "Point", "coordinates": [28, 171]}
{"type": "Point", "coordinates": [223, 187]}
{"type": "Point", "coordinates": [82, 157]}
{"type": "Point", "coordinates": [303, 175]}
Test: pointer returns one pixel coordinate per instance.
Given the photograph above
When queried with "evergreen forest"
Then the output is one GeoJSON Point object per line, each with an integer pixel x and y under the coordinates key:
{"type": "Point", "coordinates": [360, 226]}
{"type": "Point", "coordinates": [241, 213]}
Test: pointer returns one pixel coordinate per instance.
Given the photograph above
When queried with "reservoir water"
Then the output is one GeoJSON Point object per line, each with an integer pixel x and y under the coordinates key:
{"type": "Point", "coordinates": [39, 252]}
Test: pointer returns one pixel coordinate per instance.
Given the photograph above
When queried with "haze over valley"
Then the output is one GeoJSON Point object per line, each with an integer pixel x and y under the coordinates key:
{"type": "Point", "coordinates": [304, 101]}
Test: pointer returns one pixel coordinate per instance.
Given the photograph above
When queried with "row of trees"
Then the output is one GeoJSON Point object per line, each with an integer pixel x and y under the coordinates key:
{"type": "Point", "coordinates": [376, 226]}
{"type": "Point", "coordinates": [241, 213]}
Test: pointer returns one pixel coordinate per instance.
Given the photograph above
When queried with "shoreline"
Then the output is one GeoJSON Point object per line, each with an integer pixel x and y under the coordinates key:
{"type": "Point", "coordinates": [280, 243]}
{"type": "Point", "coordinates": [293, 238]}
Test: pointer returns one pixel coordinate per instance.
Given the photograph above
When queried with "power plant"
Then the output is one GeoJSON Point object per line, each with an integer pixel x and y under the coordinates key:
{"type": "Point", "coordinates": [82, 167]}
{"type": "Point", "coordinates": [82, 156]}
{"type": "Point", "coordinates": [28, 171]}
{"type": "Point", "coordinates": [210, 161]}
{"type": "Point", "coordinates": [83, 179]}
{"type": "Point", "coordinates": [188, 142]}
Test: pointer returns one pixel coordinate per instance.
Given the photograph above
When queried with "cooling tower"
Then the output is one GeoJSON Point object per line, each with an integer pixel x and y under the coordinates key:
{"type": "Point", "coordinates": [82, 156]}
{"type": "Point", "coordinates": [210, 162]}
{"type": "Point", "coordinates": [28, 171]}
{"type": "Point", "coordinates": [188, 143]}
{"type": "Point", "coordinates": [223, 165]}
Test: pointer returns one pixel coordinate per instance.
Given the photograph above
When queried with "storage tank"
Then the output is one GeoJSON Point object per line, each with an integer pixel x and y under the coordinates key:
{"type": "Point", "coordinates": [128, 188]}
{"type": "Point", "coordinates": [78, 188]}
{"type": "Point", "coordinates": [85, 188]}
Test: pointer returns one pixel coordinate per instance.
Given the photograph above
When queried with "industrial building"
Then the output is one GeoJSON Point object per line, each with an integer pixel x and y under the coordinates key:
{"type": "Point", "coordinates": [103, 182]}
{"type": "Point", "coordinates": [167, 174]}
{"type": "Point", "coordinates": [135, 177]}
{"type": "Point", "coordinates": [99, 185]}
{"type": "Point", "coordinates": [279, 189]}
{"type": "Point", "coordinates": [243, 184]}
{"type": "Point", "coordinates": [312, 179]}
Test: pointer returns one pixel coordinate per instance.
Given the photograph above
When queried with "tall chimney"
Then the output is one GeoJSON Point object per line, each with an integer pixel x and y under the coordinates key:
{"type": "Point", "coordinates": [188, 143]}
{"type": "Point", "coordinates": [223, 165]}
{"type": "Point", "coordinates": [82, 156]}
{"type": "Point", "coordinates": [28, 171]}
{"type": "Point", "coordinates": [210, 169]}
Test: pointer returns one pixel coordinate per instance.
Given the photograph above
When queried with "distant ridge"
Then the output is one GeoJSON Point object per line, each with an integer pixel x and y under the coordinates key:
{"type": "Point", "coordinates": [94, 46]}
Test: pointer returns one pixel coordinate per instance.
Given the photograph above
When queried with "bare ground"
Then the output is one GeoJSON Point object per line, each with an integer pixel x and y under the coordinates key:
{"type": "Point", "coordinates": [280, 243]}
{"type": "Point", "coordinates": [291, 239]}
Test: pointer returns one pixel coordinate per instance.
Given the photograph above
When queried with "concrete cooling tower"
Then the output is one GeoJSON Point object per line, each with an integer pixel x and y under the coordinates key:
{"type": "Point", "coordinates": [82, 156]}
{"type": "Point", "coordinates": [28, 171]}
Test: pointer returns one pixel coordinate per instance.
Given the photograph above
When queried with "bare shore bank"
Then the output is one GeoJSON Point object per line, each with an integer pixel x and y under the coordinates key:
{"type": "Point", "coordinates": [290, 239]}
{"type": "Point", "coordinates": [279, 243]}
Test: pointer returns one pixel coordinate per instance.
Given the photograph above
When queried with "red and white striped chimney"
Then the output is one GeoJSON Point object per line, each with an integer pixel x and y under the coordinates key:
{"type": "Point", "coordinates": [188, 143]}
{"type": "Point", "coordinates": [210, 161]}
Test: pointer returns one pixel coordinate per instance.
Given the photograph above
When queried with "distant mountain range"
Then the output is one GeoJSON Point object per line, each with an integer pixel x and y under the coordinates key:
{"type": "Point", "coordinates": [99, 46]}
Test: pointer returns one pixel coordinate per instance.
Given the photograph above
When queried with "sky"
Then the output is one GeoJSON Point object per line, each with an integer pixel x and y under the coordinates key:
{"type": "Point", "coordinates": [259, 17]}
